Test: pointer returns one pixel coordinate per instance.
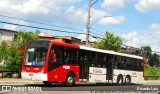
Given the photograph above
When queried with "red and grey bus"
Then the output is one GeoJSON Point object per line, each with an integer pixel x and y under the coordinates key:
{"type": "Point", "coordinates": [77, 64]}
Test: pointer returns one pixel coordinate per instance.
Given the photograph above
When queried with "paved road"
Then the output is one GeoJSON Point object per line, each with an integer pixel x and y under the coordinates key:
{"type": "Point", "coordinates": [152, 86]}
{"type": "Point", "coordinates": [88, 89]}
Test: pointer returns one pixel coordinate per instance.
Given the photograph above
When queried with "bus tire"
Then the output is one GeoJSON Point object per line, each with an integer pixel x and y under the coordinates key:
{"type": "Point", "coordinates": [119, 80]}
{"type": "Point", "coordinates": [46, 83]}
{"type": "Point", "coordinates": [128, 80]}
{"type": "Point", "coordinates": [70, 80]}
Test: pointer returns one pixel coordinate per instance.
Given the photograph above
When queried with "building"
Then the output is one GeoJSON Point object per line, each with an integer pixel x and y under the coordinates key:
{"type": "Point", "coordinates": [7, 35]}
{"type": "Point", "coordinates": [90, 44]}
{"type": "Point", "coordinates": [66, 39]}
{"type": "Point", "coordinates": [46, 36]}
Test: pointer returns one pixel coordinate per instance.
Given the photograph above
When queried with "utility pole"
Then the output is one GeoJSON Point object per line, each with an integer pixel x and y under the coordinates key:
{"type": "Point", "coordinates": [88, 23]}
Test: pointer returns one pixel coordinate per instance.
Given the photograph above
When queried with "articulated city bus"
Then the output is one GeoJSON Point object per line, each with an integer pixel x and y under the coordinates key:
{"type": "Point", "coordinates": [57, 62]}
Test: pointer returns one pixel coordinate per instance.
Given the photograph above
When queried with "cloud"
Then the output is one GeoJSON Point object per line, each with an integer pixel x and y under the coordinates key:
{"type": "Point", "coordinates": [155, 27]}
{"type": "Point", "coordinates": [113, 4]}
{"type": "Point", "coordinates": [83, 37]}
{"type": "Point", "coordinates": [50, 11]}
{"type": "Point", "coordinates": [39, 10]}
{"type": "Point", "coordinates": [146, 5]}
{"type": "Point", "coordinates": [129, 35]}
{"type": "Point", "coordinates": [9, 27]}
{"type": "Point", "coordinates": [75, 15]}
{"type": "Point", "coordinates": [14, 27]}
{"type": "Point", "coordinates": [112, 20]}
{"type": "Point", "coordinates": [80, 15]}
{"type": "Point", "coordinates": [135, 39]}
{"type": "Point", "coordinates": [97, 14]}
{"type": "Point", "coordinates": [131, 39]}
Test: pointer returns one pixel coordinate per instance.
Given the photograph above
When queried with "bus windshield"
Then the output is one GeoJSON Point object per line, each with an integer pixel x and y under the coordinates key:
{"type": "Point", "coordinates": [36, 54]}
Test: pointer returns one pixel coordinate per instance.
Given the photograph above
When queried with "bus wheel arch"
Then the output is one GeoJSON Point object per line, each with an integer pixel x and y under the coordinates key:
{"type": "Point", "coordinates": [70, 79]}
{"type": "Point", "coordinates": [128, 80]}
{"type": "Point", "coordinates": [119, 79]}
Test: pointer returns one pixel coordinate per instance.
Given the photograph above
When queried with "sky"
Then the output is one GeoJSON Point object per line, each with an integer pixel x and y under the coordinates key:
{"type": "Point", "coordinates": [137, 22]}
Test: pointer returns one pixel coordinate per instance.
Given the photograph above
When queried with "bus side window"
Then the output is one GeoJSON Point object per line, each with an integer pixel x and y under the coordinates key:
{"type": "Point", "coordinates": [115, 61]}
{"type": "Point", "coordinates": [128, 64]}
{"type": "Point", "coordinates": [55, 55]}
{"type": "Point", "coordinates": [140, 65]}
{"type": "Point", "coordinates": [70, 56]}
{"type": "Point", "coordinates": [92, 59]}
{"type": "Point", "coordinates": [101, 60]}
{"type": "Point", "coordinates": [119, 62]}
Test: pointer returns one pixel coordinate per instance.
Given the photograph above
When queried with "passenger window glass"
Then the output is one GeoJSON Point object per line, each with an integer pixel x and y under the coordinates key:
{"type": "Point", "coordinates": [70, 56]}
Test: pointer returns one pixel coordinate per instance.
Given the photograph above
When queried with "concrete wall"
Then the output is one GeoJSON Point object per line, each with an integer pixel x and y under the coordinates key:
{"type": "Point", "coordinates": [7, 35]}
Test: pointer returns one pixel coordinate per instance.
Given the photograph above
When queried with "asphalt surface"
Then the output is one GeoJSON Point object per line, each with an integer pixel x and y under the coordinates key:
{"type": "Point", "coordinates": [33, 87]}
{"type": "Point", "coordinates": [86, 89]}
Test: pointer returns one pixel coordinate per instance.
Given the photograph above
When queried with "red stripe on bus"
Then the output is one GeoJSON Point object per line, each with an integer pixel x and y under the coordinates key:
{"type": "Point", "coordinates": [133, 76]}
{"type": "Point", "coordinates": [117, 75]}
{"type": "Point", "coordinates": [124, 75]}
{"type": "Point", "coordinates": [96, 74]}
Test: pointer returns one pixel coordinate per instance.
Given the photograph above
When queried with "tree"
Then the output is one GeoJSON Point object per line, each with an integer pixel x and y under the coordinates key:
{"type": "Point", "coordinates": [110, 42]}
{"type": "Point", "coordinates": [3, 52]}
{"type": "Point", "coordinates": [22, 39]}
{"type": "Point", "coordinates": [147, 54]}
{"type": "Point", "coordinates": [155, 59]}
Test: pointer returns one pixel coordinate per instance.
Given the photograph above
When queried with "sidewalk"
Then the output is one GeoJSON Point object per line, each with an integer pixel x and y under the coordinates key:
{"type": "Point", "coordinates": [151, 82]}
{"type": "Point", "coordinates": [17, 81]}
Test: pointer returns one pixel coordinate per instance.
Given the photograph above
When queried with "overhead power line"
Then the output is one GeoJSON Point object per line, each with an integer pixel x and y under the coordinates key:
{"type": "Point", "coordinates": [39, 22]}
{"type": "Point", "coordinates": [40, 27]}
{"type": "Point", "coordinates": [94, 3]}
{"type": "Point", "coordinates": [44, 23]}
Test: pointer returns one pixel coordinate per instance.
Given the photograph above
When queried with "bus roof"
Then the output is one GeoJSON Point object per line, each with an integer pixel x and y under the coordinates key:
{"type": "Point", "coordinates": [94, 49]}
{"type": "Point", "coordinates": [110, 52]}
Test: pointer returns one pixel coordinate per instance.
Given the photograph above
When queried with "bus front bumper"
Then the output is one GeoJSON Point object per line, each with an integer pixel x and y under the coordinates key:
{"type": "Point", "coordinates": [34, 76]}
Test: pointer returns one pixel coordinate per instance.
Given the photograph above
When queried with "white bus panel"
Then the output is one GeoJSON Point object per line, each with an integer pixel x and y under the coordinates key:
{"type": "Point", "coordinates": [97, 74]}
{"type": "Point", "coordinates": [136, 76]}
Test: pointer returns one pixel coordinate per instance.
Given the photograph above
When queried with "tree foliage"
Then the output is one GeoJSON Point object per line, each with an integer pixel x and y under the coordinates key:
{"type": "Point", "coordinates": [151, 71]}
{"type": "Point", "coordinates": [3, 52]}
{"type": "Point", "coordinates": [14, 55]}
{"type": "Point", "coordinates": [110, 42]}
{"type": "Point", "coordinates": [150, 58]}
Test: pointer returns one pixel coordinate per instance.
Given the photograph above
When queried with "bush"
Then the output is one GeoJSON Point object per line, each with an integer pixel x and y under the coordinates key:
{"type": "Point", "coordinates": [1, 67]}
{"type": "Point", "coordinates": [151, 71]}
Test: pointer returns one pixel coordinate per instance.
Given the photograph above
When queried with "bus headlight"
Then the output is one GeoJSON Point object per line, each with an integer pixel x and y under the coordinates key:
{"type": "Point", "coordinates": [42, 71]}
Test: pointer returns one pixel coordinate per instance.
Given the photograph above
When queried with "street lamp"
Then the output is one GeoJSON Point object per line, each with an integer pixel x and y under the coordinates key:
{"type": "Point", "coordinates": [88, 26]}
{"type": "Point", "coordinates": [88, 21]}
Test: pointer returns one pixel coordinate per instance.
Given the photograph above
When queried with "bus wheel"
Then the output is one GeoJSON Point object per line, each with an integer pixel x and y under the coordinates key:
{"type": "Point", "coordinates": [46, 83]}
{"type": "Point", "coordinates": [128, 80]}
{"type": "Point", "coordinates": [70, 80]}
{"type": "Point", "coordinates": [119, 80]}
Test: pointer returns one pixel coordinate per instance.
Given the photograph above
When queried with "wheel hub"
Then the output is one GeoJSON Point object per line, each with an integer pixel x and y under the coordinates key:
{"type": "Point", "coordinates": [70, 79]}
